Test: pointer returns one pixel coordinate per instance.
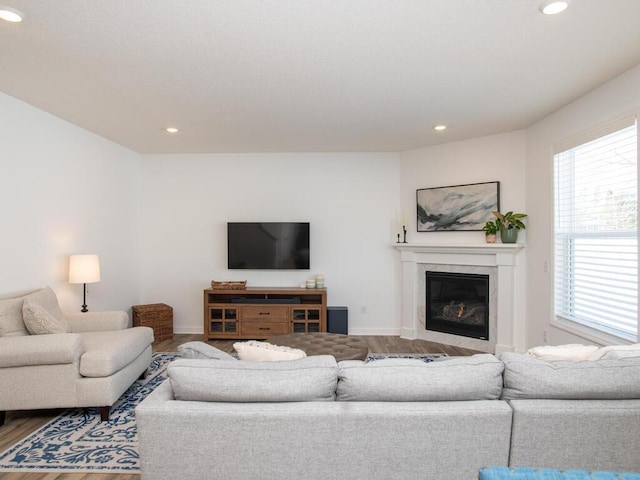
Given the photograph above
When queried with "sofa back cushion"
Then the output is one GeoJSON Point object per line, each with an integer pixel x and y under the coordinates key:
{"type": "Point", "coordinates": [304, 380]}
{"type": "Point", "coordinates": [478, 377]}
{"type": "Point", "coordinates": [11, 323]}
{"type": "Point", "coordinates": [527, 377]}
{"type": "Point", "coordinates": [11, 319]}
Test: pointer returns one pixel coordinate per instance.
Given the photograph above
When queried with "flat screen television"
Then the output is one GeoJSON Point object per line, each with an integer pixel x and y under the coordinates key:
{"type": "Point", "coordinates": [268, 245]}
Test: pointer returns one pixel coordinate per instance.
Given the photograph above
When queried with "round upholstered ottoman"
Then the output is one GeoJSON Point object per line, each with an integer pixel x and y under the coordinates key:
{"type": "Point", "coordinates": [342, 347]}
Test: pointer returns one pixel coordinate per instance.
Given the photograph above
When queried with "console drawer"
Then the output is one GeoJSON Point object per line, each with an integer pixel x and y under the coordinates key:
{"type": "Point", "coordinates": [266, 312]}
{"type": "Point", "coordinates": [260, 329]}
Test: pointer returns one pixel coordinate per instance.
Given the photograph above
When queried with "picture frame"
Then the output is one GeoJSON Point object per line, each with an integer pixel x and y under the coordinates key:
{"type": "Point", "coordinates": [457, 208]}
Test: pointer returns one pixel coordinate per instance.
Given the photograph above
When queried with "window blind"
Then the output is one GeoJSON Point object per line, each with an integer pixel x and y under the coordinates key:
{"type": "Point", "coordinates": [596, 240]}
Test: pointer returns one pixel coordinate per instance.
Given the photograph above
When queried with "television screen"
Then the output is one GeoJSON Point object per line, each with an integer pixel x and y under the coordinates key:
{"type": "Point", "coordinates": [268, 245]}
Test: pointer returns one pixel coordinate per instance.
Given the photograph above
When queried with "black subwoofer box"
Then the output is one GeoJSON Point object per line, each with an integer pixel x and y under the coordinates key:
{"type": "Point", "coordinates": [338, 320]}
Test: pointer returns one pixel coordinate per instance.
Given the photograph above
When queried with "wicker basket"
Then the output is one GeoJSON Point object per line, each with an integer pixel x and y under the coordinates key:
{"type": "Point", "coordinates": [240, 285]}
{"type": "Point", "coordinates": [158, 316]}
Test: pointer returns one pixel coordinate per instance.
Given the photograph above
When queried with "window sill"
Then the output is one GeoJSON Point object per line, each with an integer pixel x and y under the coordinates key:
{"type": "Point", "coordinates": [589, 333]}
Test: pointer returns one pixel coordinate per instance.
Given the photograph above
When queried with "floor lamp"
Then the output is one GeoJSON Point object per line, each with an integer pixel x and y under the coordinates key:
{"type": "Point", "coordinates": [84, 269]}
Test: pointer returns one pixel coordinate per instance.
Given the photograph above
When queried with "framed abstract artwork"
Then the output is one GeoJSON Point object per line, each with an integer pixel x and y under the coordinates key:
{"type": "Point", "coordinates": [457, 208]}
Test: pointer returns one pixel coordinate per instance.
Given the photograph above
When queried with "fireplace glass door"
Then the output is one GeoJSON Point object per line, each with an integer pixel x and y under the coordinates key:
{"type": "Point", "coordinates": [458, 304]}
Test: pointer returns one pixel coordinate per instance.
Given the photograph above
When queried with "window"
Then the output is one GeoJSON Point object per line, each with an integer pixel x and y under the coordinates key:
{"type": "Point", "coordinates": [596, 232]}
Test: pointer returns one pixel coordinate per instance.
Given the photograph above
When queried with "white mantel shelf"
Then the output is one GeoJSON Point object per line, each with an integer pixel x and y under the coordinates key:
{"type": "Point", "coordinates": [500, 260]}
{"type": "Point", "coordinates": [481, 248]}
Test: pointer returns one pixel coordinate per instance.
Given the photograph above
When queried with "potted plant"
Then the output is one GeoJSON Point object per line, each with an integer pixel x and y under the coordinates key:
{"type": "Point", "coordinates": [490, 230]}
{"type": "Point", "coordinates": [508, 225]}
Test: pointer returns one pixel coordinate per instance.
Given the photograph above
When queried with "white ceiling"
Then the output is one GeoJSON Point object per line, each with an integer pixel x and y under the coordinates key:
{"type": "Point", "coordinates": [309, 75]}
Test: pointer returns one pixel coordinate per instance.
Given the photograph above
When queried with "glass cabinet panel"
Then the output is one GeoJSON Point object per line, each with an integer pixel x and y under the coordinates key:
{"type": "Point", "coordinates": [306, 320]}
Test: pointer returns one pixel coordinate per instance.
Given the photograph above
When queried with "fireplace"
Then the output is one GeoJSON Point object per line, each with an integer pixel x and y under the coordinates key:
{"type": "Point", "coordinates": [501, 262]}
{"type": "Point", "coordinates": [458, 304]}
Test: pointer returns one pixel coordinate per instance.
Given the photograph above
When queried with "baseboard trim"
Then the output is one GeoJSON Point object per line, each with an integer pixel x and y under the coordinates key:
{"type": "Point", "coordinates": [408, 333]}
{"type": "Point", "coordinates": [352, 331]}
{"type": "Point", "coordinates": [188, 330]}
{"type": "Point", "coordinates": [375, 331]}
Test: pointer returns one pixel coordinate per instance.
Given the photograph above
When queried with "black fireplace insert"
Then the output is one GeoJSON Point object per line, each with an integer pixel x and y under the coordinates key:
{"type": "Point", "coordinates": [458, 304]}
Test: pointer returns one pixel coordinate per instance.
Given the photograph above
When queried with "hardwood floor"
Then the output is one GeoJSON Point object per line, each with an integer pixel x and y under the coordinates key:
{"type": "Point", "coordinates": [19, 424]}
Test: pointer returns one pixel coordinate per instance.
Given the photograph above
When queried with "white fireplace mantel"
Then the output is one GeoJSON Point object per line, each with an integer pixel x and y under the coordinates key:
{"type": "Point", "coordinates": [501, 261]}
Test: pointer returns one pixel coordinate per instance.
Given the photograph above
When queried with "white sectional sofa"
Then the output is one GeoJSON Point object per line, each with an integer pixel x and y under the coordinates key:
{"type": "Point", "coordinates": [315, 419]}
{"type": "Point", "coordinates": [93, 359]}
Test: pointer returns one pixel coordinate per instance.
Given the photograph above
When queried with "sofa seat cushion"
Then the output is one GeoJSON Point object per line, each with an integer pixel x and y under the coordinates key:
{"type": "Point", "coordinates": [304, 380]}
{"type": "Point", "coordinates": [527, 377]}
{"type": "Point", "coordinates": [478, 377]}
{"type": "Point", "coordinates": [109, 352]}
{"type": "Point", "coordinates": [38, 350]}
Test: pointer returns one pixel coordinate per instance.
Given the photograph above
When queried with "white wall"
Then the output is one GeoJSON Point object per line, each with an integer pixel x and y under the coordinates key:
{"type": "Point", "coordinates": [64, 191]}
{"type": "Point", "coordinates": [349, 199]}
{"type": "Point", "coordinates": [617, 97]}
{"type": "Point", "coordinates": [485, 159]}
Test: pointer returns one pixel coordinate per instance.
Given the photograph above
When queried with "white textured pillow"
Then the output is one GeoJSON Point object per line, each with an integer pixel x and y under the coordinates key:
{"type": "Point", "coordinates": [39, 321]}
{"type": "Point", "coordinates": [571, 352]}
{"type": "Point", "coordinates": [255, 351]}
{"type": "Point", "coordinates": [616, 352]}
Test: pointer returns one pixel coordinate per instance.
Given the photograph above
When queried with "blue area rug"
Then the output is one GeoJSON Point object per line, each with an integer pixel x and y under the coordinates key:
{"type": "Point", "coordinates": [77, 441]}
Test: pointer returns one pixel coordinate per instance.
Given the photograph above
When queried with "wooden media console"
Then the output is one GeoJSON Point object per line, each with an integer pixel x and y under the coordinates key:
{"type": "Point", "coordinates": [263, 312]}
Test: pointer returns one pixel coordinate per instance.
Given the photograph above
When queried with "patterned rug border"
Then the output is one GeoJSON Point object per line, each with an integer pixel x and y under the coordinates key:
{"type": "Point", "coordinates": [76, 441]}
{"type": "Point", "coordinates": [425, 357]}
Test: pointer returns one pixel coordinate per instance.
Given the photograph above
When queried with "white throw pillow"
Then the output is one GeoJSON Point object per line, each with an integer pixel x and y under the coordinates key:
{"type": "Point", "coordinates": [616, 352]}
{"type": "Point", "coordinates": [255, 351]}
{"type": "Point", "coordinates": [571, 352]}
{"type": "Point", "coordinates": [39, 321]}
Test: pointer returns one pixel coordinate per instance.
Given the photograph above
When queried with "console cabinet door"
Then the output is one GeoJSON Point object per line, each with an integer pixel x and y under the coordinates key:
{"type": "Point", "coordinates": [306, 319]}
{"type": "Point", "coordinates": [223, 320]}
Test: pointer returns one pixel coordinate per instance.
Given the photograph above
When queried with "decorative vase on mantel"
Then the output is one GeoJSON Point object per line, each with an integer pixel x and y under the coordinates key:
{"type": "Point", "coordinates": [509, 235]}
{"type": "Point", "coordinates": [508, 224]}
{"type": "Point", "coordinates": [490, 230]}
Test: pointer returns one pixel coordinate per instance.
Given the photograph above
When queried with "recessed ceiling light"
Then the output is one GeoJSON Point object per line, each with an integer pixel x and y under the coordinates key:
{"type": "Point", "coordinates": [440, 128]}
{"type": "Point", "coordinates": [172, 130]}
{"type": "Point", "coordinates": [553, 7]}
{"type": "Point", "coordinates": [11, 14]}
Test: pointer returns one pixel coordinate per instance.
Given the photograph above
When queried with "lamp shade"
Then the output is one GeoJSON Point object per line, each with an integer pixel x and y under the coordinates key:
{"type": "Point", "coordinates": [84, 269]}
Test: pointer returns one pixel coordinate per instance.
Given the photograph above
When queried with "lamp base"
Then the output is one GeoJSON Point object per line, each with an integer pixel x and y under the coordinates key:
{"type": "Point", "coordinates": [84, 298]}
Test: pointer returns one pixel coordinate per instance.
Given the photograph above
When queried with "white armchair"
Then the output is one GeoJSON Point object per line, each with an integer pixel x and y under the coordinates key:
{"type": "Point", "coordinates": [89, 366]}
